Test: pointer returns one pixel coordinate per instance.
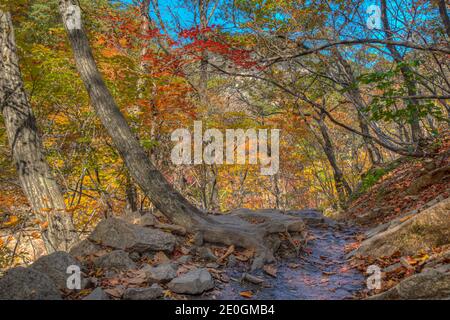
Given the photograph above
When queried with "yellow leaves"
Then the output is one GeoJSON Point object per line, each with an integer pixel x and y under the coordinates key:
{"type": "Point", "coordinates": [12, 221]}
{"type": "Point", "coordinates": [246, 294]}
{"type": "Point", "coordinates": [61, 119]}
{"type": "Point", "coordinates": [168, 294]}
{"type": "Point", "coordinates": [123, 42]}
{"type": "Point", "coordinates": [110, 52]}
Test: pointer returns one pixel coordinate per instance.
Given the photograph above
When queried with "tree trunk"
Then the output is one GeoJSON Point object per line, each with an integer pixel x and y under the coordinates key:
{"type": "Point", "coordinates": [408, 78]}
{"type": "Point", "coordinates": [38, 183]}
{"type": "Point", "coordinates": [210, 181]}
{"type": "Point", "coordinates": [354, 94]}
{"type": "Point", "coordinates": [230, 229]}
{"type": "Point", "coordinates": [342, 187]}
{"type": "Point", "coordinates": [144, 12]}
{"type": "Point", "coordinates": [444, 16]}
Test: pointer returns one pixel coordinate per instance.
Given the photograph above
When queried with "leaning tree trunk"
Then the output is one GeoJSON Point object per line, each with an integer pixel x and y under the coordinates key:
{"type": "Point", "coordinates": [35, 176]}
{"type": "Point", "coordinates": [354, 95]}
{"type": "Point", "coordinates": [342, 187]}
{"type": "Point", "coordinates": [231, 229]}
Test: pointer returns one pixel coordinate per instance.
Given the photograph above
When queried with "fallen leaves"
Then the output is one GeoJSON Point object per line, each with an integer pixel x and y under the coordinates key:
{"type": "Point", "coordinates": [245, 255]}
{"type": "Point", "coordinates": [160, 258]}
{"type": "Point", "coordinates": [271, 270]}
{"type": "Point", "coordinates": [227, 254]}
{"type": "Point", "coordinates": [246, 294]}
{"type": "Point", "coordinates": [116, 292]}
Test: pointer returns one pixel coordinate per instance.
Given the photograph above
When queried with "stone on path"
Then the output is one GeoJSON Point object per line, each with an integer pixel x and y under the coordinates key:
{"type": "Point", "coordinates": [161, 274]}
{"type": "Point", "coordinates": [97, 294]}
{"type": "Point", "coordinates": [117, 259]}
{"type": "Point", "coordinates": [55, 266]}
{"type": "Point", "coordinates": [194, 282]}
{"type": "Point", "coordinates": [120, 234]}
{"type": "Point", "coordinates": [430, 284]}
{"type": "Point", "coordinates": [84, 248]}
{"type": "Point", "coordinates": [27, 284]}
{"type": "Point", "coordinates": [151, 293]}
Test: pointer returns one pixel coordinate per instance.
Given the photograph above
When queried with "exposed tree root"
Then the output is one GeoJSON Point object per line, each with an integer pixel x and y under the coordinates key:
{"type": "Point", "coordinates": [251, 230]}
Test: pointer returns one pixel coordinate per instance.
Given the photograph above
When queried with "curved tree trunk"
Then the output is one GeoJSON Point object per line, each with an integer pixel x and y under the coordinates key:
{"type": "Point", "coordinates": [228, 230]}
{"type": "Point", "coordinates": [35, 176]}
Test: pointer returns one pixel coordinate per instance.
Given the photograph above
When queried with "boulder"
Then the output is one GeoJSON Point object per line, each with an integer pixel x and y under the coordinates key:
{"type": "Point", "coordinates": [117, 259]}
{"type": "Point", "coordinates": [122, 235]}
{"type": "Point", "coordinates": [151, 293]}
{"type": "Point", "coordinates": [135, 256]}
{"type": "Point", "coordinates": [27, 284]}
{"type": "Point", "coordinates": [430, 284]}
{"type": "Point", "coordinates": [194, 282]}
{"type": "Point", "coordinates": [147, 220]}
{"type": "Point", "coordinates": [97, 294]}
{"type": "Point", "coordinates": [55, 266]}
{"type": "Point", "coordinates": [161, 274]}
{"type": "Point", "coordinates": [84, 248]}
{"type": "Point", "coordinates": [206, 254]}
{"type": "Point", "coordinates": [232, 261]}
{"type": "Point", "coordinates": [423, 231]}
{"type": "Point", "coordinates": [184, 259]}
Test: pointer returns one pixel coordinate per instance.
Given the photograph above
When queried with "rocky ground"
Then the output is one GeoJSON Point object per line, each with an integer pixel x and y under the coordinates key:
{"type": "Point", "coordinates": [128, 258]}
{"type": "Point", "coordinates": [407, 220]}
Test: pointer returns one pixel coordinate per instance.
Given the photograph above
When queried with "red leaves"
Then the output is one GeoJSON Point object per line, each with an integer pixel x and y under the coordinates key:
{"type": "Point", "coordinates": [196, 32]}
{"type": "Point", "coordinates": [205, 39]}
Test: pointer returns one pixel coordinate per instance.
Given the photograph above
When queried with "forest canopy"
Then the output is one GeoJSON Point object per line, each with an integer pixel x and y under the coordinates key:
{"type": "Point", "coordinates": [351, 87]}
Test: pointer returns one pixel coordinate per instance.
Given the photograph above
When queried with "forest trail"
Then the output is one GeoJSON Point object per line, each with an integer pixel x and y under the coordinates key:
{"type": "Point", "coordinates": [321, 271]}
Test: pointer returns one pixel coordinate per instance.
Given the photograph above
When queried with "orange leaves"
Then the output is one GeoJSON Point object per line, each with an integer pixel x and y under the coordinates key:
{"type": "Point", "coordinates": [246, 294]}
{"type": "Point", "coordinates": [11, 222]}
{"type": "Point", "coordinates": [110, 52]}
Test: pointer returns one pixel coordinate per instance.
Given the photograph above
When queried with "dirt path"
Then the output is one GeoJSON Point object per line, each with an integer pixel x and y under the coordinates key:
{"type": "Point", "coordinates": [320, 272]}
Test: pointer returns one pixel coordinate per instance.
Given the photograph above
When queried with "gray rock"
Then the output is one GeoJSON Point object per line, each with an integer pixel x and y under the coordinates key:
{"type": "Point", "coordinates": [27, 284]}
{"type": "Point", "coordinates": [194, 282]}
{"type": "Point", "coordinates": [120, 234]}
{"type": "Point", "coordinates": [135, 256]}
{"type": "Point", "coordinates": [97, 294]}
{"type": "Point", "coordinates": [380, 228]}
{"type": "Point", "coordinates": [162, 273]}
{"type": "Point", "coordinates": [147, 220]}
{"type": "Point", "coordinates": [184, 259]}
{"type": "Point", "coordinates": [430, 284]}
{"type": "Point", "coordinates": [154, 292]}
{"type": "Point", "coordinates": [117, 259]}
{"type": "Point", "coordinates": [393, 267]}
{"type": "Point", "coordinates": [55, 267]}
{"type": "Point", "coordinates": [206, 254]}
{"type": "Point", "coordinates": [84, 248]}
{"type": "Point", "coordinates": [423, 231]}
{"type": "Point", "coordinates": [232, 261]}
